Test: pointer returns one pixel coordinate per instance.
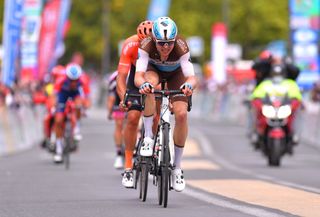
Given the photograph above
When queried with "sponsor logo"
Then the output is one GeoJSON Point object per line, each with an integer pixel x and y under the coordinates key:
{"type": "Point", "coordinates": [145, 42]}
{"type": "Point", "coordinates": [164, 23]}
{"type": "Point", "coordinates": [130, 45]}
{"type": "Point", "coordinates": [182, 45]}
{"type": "Point", "coordinates": [164, 63]}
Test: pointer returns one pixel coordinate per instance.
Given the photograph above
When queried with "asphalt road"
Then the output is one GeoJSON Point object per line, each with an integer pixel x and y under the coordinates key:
{"type": "Point", "coordinates": [225, 177]}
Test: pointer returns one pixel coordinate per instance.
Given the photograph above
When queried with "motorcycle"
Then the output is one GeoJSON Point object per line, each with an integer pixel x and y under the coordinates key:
{"type": "Point", "coordinates": [276, 140]}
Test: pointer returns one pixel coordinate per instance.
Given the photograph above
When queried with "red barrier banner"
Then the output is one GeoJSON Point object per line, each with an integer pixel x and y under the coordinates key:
{"type": "Point", "coordinates": [48, 34]}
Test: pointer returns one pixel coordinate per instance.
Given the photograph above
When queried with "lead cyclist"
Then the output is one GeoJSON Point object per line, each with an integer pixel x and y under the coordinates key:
{"type": "Point", "coordinates": [165, 55]}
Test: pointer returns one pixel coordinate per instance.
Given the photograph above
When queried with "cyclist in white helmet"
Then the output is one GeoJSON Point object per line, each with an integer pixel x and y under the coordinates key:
{"type": "Point", "coordinates": [69, 86]}
{"type": "Point", "coordinates": [165, 55]}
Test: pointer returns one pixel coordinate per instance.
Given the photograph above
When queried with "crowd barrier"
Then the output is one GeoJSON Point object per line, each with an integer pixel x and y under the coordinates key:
{"type": "Point", "coordinates": [20, 128]}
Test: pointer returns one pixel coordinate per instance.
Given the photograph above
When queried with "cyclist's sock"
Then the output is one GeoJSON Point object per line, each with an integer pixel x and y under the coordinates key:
{"type": "Point", "coordinates": [119, 150]}
{"type": "Point", "coordinates": [148, 122]}
{"type": "Point", "coordinates": [177, 156]}
{"type": "Point", "coordinates": [78, 124]}
{"type": "Point", "coordinates": [128, 159]}
{"type": "Point", "coordinates": [59, 147]}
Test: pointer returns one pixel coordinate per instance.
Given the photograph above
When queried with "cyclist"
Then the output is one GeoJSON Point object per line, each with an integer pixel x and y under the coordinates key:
{"type": "Point", "coordinates": [126, 68]}
{"type": "Point", "coordinates": [69, 86]}
{"type": "Point", "coordinates": [114, 112]}
{"type": "Point", "coordinates": [57, 72]}
{"type": "Point", "coordinates": [78, 58]}
{"type": "Point", "coordinates": [165, 55]}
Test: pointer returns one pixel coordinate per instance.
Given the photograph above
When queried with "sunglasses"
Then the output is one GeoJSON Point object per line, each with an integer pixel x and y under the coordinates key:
{"type": "Point", "coordinates": [162, 43]}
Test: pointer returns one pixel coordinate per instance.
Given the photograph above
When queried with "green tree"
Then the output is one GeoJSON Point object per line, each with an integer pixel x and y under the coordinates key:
{"type": "Point", "coordinates": [252, 23]}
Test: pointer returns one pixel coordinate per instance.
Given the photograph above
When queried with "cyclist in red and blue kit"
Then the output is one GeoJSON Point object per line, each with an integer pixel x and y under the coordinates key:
{"type": "Point", "coordinates": [75, 87]}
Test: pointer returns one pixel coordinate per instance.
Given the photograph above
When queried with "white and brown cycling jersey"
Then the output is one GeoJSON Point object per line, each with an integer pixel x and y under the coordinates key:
{"type": "Point", "coordinates": [178, 58]}
{"type": "Point", "coordinates": [175, 69]}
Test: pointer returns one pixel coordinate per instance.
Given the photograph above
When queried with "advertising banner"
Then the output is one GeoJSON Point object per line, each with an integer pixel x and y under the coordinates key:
{"type": "Point", "coordinates": [48, 36]}
{"type": "Point", "coordinates": [158, 8]}
{"type": "Point", "coordinates": [218, 53]}
{"type": "Point", "coordinates": [305, 39]}
{"type": "Point", "coordinates": [30, 31]}
{"type": "Point", "coordinates": [11, 36]}
{"type": "Point", "coordinates": [61, 31]}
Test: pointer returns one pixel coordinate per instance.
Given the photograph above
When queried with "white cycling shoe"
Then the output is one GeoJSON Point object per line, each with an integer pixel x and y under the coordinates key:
{"type": "Point", "coordinates": [77, 134]}
{"type": "Point", "coordinates": [57, 158]}
{"type": "Point", "coordinates": [147, 147]}
{"type": "Point", "coordinates": [127, 178]}
{"type": "Point", "coordinates": [118, 162]}
{"type": "Point", "coordinates": [178, 182]}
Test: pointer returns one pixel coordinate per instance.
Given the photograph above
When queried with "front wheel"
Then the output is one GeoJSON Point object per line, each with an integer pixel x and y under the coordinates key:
{"type": "Point", "coordinates": [144, 178]}
{"type": "Point", "coordinates": [160, 192]}
{"type": "Point", "coordinates": [165, 172]}
{"type": "Point", "coordinates": [275, 150]}
{"type": "Point", "coordinates": [68, 143]}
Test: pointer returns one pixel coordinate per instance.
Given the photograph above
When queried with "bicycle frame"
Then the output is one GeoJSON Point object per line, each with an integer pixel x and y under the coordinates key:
{"type": "Point", "coordinates": [164, 119]}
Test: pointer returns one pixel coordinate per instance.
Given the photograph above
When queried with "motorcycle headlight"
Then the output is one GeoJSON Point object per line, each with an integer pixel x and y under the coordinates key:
{"type": "Point", "coordinates": [284, 112]}
{"type": "Point", "coordinates": [268, 111]}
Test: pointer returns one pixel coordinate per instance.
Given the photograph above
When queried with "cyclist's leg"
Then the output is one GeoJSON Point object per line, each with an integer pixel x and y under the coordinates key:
{"type": "Point", "coordinates": [180, 133]}
{"type": "Point", "coordinates": [59, 130]}
{"type": "Point", "coordinates": [77, 117]}
{"type": "Point", "coordinates": [148, 115]}
{"type": "Point", "coordinates": [130, 138]}
{"type": "Point", "coordinates": [118, 116]}
{"type": "Point", "coordinates": [47, 126]}
{"type": "Point", "coordinates": [152, 77]}
{"type": "Point", "coordinates": [131, 128]}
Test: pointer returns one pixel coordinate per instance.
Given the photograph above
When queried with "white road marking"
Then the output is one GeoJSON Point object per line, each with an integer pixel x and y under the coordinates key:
{"type": "Point", "coordinates": [209, 151]}
{"type": "Point", "coordinates": [230, 205]}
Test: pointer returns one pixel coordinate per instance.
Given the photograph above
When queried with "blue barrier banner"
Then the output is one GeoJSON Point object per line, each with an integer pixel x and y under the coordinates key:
{"type": "Point", "coordinates": [61, 28]}
{"type": "Point", "coordinates": [158, 8]}
{"type": "Point", "coordinates": [11, 36]}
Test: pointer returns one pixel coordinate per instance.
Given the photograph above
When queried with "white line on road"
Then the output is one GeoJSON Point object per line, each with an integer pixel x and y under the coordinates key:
{"type": "Point", "coordinates": [209, 151]}
{"type": "Point", "coordinates": [227, 204]}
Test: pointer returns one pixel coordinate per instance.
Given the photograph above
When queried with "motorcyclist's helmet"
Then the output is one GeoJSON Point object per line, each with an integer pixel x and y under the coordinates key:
{"type": "Point", "coordinates": [278, 73]}
{"type": "Point", "coordinates": [265, 55]}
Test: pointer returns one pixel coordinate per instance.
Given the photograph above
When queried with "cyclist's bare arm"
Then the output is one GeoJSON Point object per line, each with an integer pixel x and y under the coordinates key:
{"type": "Point", "coordinates": [121, 84]}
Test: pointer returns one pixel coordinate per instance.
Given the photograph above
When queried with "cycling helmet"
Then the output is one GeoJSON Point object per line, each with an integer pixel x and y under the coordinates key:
{"type": "Point", "coordinates": [73, 71]}
{"type": "Point", "coordinates": [144, 29]}
{"type": "Point", "coordinates": [164, 29]}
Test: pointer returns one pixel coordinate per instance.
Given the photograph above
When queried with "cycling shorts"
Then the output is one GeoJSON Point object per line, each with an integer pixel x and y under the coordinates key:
{"type": "Point", "coordinates": [63, 97]}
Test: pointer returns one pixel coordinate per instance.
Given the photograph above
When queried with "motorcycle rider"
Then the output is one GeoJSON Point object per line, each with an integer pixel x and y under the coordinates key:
{"type": "Point", "coordinates": [278, 81]}
{"type": "Point", "coordinates": [262, 66]}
